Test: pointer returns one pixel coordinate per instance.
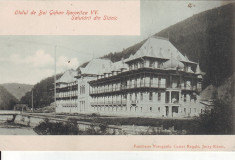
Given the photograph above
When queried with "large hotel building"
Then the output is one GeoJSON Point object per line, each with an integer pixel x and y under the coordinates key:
{"type": "Point", "coordinates": [156, 81]}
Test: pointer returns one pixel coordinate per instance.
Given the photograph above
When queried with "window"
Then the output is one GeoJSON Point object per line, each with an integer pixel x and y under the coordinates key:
{"type": "Point", "coordinates": [151, 81]}
{"type": "Point", "coordinates": [142, 64]}
{"type": "Point", "coordinates": [175, 109]}
{"type": "Point", "coordinates": [150, 109]}
{"type": "Point", "coordinates": [151, 96]}
{"type": "Point", "coordinates": [141, 81]}
{"type": "Point", "coordinates": [136, 65]}
{"type": "Point", "coordinates": [135, 82]}
{"type": "Point", "coordinates": [184, 110]}
{"type": "Point", "coordinates": [124, 96]}
{"type": "Point", "coordinates": [141, 96]}
{"type": "Point", "coordinates": [82, 89]}
{"type": "Point", "coordinates": [185, 98]}
{"type": "Point", "coordinates": [159, 81]}
{"type": "Point", "coordinates": [159, 109]}
{"type": "Point", "coordinates": [159, 65]}
{"type": "Point", "coordinates": [159, 96]}
{"type": "Point", "coordinates": [151, 63]}
{"type": "Point", "coordinates": [145, 63]}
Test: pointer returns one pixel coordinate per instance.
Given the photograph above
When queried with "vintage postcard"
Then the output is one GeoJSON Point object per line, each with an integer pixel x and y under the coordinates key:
{"type": "Point", "coordinates": [135, 75]}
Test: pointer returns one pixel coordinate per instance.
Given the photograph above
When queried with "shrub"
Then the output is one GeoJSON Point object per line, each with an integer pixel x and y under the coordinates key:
{"type": "Point", "coordinates": [56, 128]}
{"type": "Point", "coordinates": [220, 120]}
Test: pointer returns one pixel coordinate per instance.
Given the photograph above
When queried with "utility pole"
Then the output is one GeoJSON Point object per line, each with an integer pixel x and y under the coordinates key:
{"type": "Point", "coordinates": [55, 81]}
{"type": "Point", "coordinates": [32, 101]}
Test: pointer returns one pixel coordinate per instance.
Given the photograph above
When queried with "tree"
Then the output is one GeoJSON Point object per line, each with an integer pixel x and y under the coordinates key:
{"type": "Point", "coordinates": [218, 120]}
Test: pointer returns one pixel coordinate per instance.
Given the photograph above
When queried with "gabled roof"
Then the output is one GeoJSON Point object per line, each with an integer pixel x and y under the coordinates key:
{"type": "Point", "coordinates": [161, 48]}
{"type": "Point", "coordinates": [96, 66]}
{"type": "Point", "coordinates": [68, 76]}
{"type": "Point", "coordinates": [117, 66]}
{"type": "Point", "coordinates": [157, 47]}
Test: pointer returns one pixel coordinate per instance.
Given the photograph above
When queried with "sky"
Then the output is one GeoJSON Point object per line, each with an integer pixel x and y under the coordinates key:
{"type": "Point", "coordinates": [29, 59]}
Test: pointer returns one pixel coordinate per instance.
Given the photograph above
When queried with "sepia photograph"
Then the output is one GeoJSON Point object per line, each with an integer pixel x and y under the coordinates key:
{"type": "Point", "coordinates": [175, 78]}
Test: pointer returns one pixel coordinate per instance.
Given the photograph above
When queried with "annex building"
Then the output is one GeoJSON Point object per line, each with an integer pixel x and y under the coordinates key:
{"type": "Point", "coordinates": [156, 81]}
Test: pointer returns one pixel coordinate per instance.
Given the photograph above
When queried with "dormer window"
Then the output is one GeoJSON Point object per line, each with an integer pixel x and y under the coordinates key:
{"type": "Point", "coordinates": [151, 64]}
{"type": "Point", "coordinates": [136, 65]}
{"type": "Point", "coordinates": [142, 64]}
{"type": "Point", "coordinates": [189, 68]}
{"type": "Point", "coordinates": [159, 65]}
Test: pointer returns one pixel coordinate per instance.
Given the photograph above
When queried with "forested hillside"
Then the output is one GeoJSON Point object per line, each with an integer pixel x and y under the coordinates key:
{"type": "Point", "coordinates": [17, 90]}
{"type": "Point", "coordinates": [43, 93]}
{"type": "Point", "coordinates": [7, 100]}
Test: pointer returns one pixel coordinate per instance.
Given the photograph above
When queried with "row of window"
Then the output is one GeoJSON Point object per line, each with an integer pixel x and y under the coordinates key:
{"type": "Point", "coordinates": [67, 94]}
{"type": "Point", "coordinates": [152, 64]}
{"type": "Point", "coordinates": [144, 63]}
{"type": "Point", "coordinates": [133, 97]}
{"type": "Point", "coordinates": [67, 85]}
{"type": "Point", "coordinates": [190, 97]}
{"type": "Point", "coordinates": [139, 83]}
{"type": "Point", "coordinates": [190, 110]}
{"type": "Point", "coordinates": [70, 106]}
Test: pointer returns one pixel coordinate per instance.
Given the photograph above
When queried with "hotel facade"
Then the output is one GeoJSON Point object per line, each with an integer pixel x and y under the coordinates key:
{"type": "Point", "coordinates": [156, 81]}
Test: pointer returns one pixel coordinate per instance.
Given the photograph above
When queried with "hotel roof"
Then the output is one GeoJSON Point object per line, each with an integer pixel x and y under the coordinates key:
{"type": "Point", "coordinates": [96, 66]}
{"type": "Point", "coordinates": [68, 76]}
{"type": "Point", "coordinates": [161, 48]}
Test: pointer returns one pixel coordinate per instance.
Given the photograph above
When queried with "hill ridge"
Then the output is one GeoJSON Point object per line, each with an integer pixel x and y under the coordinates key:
{"type": "Point", "coordinates": [7, 100]}
{"type": "Point", "coordinates": [18, 90]}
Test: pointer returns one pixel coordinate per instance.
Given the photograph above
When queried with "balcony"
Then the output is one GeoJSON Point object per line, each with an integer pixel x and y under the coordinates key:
{"type": "Point", "coordinates": [105, 90]}
{"type": "Point", "coordinates": [122, 102]}
{"type": "Point", "coordinates": [146, 85]}
{"type": "Point", "coordinates": [130, 86]}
